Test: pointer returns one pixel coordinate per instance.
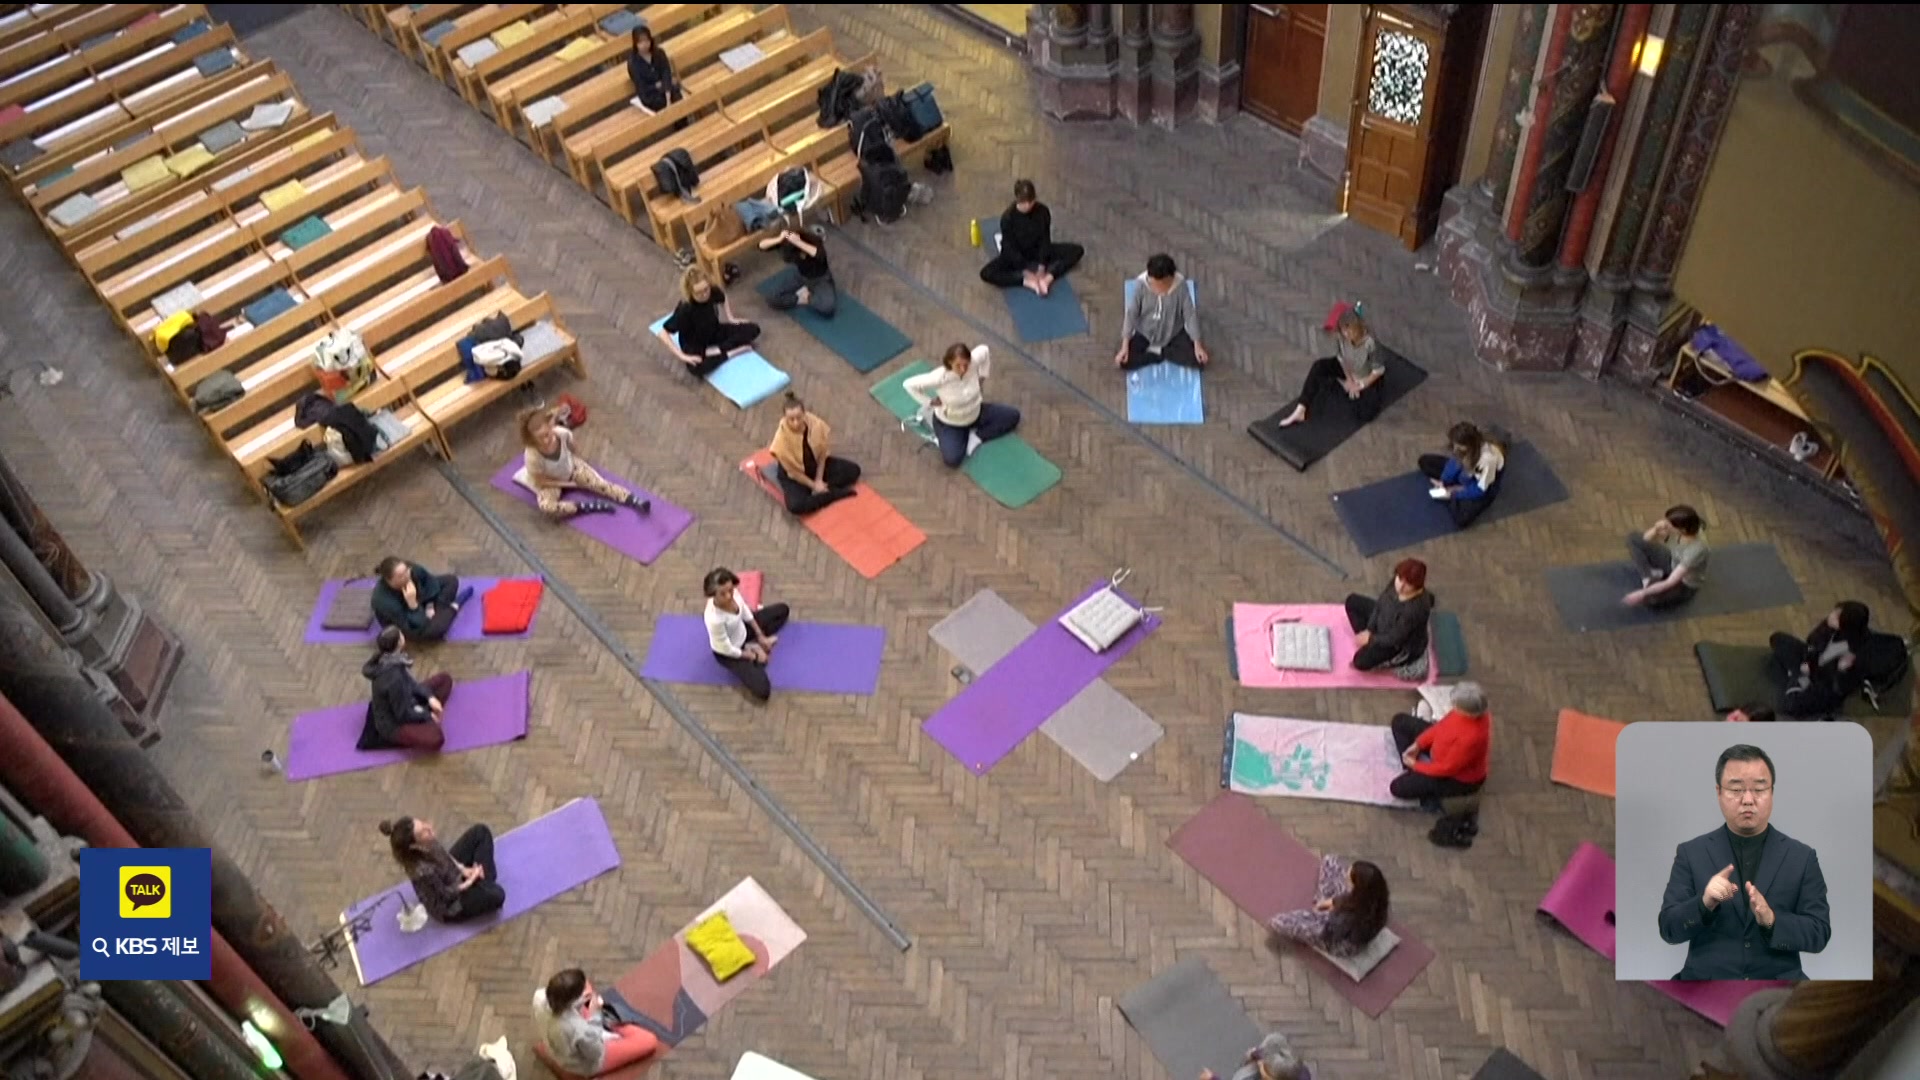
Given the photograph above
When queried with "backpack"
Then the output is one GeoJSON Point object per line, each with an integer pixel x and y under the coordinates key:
{"type": "Point", "coordinates": [576, 412]}
{"type": "Point", "coordinates": [837, 97]}
{"type": "Point", "coordinates": [898, 117]}
{"type": "Point", "coordinates": [443, 249]}
{"type": "Point", "coordinates": [1884, 663]}
{"type": "Point", "coordinates": [499, 358]}
{"type": "Point", "coordinates": [884, 187]}
{"type": "Point", "coordinates": [300, 475]}
{"type": "Point", "coordinates": [341, 363]}
{"type": "Point", "coordinates": [676, 174]}
{"type": "Point", "coordinates": [185, 345]}
{"type": "Point", "coordinates": [217, 391]}
{"type": "Point", "coordinates": [926, 111]}
{"type": "Point", "coordinates": [867, 134]}
{"type": "Point", "coordinates": [789, 188]}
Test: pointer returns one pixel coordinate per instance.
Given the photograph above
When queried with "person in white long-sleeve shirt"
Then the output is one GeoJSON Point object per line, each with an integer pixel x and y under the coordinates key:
{"type": "Point", "coordinates": [742, 638]}
{"type": "Point", "coordinates": [962, 418]}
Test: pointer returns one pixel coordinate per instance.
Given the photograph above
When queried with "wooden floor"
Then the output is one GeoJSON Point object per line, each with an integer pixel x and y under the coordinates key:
{"type": "Point", "coordinates": [1034, 896]}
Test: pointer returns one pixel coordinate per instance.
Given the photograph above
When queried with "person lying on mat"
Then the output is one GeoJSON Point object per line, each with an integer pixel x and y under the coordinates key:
{"type": "Point", "coordinates": [1446, 758]}
{"type": "Point", "coordinates": [1824, 670]}
{"type": "Point", "coordinates": [806, 252]}
{"type": "Point", "coordinates": [1752, 714]}
{"type": "Point", "coordinates": [651, 72]}
{"type": "Point", "coordinates": [1468, 478]}
{"type": "Point", "coordinates": [454, 884]}
{"type": "Point", "coordinates": [1349, 909]}
{"type": "Point", "coordinates": [402, 711]}
{"type": "Point", "coordinates": [408, 596]}
{"type": "Point", "coordinates": [552, 468]}
{"type": "Point", "coordinates": [1162, 320]}
{"type": "Point", "coordinates": [1273, 1059]}
{"type": "Point", "coordinates": [581, 1033]}
{"type": "Point", "coordinates": [962, 421]}
{"type": "Point", "coordinates": [1671, 557]}
{"type": "Point", "coordinates": [1028, 256]}
{"type": "Point", "coordinates": [741, 637]}
{"type": "Point", "coordinates": [1355, 374]}
{"type": "Point", "coordinates": [810, 477]}
{"type": "Point", "coordinates": [707, 332]}
{"type": "Point", "coordinates": [1391, 630]}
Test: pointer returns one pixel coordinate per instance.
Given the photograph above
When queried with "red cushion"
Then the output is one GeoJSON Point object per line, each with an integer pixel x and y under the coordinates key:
{"type": "Point", "coordinates": [508, 607]}
{"type": "Point", "coordinates": [751, 584]}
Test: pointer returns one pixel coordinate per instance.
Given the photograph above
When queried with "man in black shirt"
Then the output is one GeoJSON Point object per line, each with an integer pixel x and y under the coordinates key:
{"type": "Point", "coordinates": [1028, 256]}
{"type": "Point", "coordinates": [1745, 898]}
{"type": "Point", "coordinates": [813, 284]}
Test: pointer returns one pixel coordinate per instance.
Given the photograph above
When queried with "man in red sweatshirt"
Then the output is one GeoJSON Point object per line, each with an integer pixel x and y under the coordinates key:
{"type": "Point", "coordinates": [1446, 758]}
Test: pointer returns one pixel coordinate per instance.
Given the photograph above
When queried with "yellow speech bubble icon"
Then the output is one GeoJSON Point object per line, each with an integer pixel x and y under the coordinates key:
{"type": "Point", "coordinates": [146, 892]}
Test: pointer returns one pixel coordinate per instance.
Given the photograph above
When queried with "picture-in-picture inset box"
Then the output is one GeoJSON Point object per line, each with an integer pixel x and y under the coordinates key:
{"type": "Point", "coordinates": [1745, 851]}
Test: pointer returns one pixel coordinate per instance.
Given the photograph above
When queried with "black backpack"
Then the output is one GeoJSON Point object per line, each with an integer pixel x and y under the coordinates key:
{"type": "Point", "coordinates": [1884, 662]}
{"type": "Point", "coordinates": [676, 175]}
{"type": "Point", "coordinates": [884, 187]}
{"type": "Point", "coordinates": [868, 135]}
{"type": "Point", "coordinates": [898, 116]}
{"type": "Point", "coordinates": [837, 97]}
{"type": "Point", "coordinates": [300, 475]}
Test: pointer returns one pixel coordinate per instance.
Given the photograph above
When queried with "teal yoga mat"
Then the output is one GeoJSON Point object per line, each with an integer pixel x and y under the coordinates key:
{"type": "Point", "coordinates": [1009, 469]}
{"type": "Point", "coordinates": [855, 333]}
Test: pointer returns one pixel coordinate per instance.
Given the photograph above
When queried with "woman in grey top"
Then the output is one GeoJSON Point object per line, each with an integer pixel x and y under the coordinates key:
{"type": "Point", "coordinates": [1162, 321]}
{"type": "Point", "coordinates": [1273, 1059]}
{"type": "Point", "coordinates": [1355, 374]}
{"type": "Point", "coordinates": [1671, 558]}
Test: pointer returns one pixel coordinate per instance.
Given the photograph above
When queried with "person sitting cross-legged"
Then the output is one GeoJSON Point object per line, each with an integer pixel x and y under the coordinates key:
{"type": "Point", "coordinates": [962, 421]}
{"type": "Point", "coordinates": [742, 637]}
{"type": "Point", "coordinates": [454, 884]}
{"type": "Point", "coordinates": [1029, 258]}
{"type": "Point", "coordinates": [1350, 908]}
{"type": "Point", "coordinates": [1468, 478]}
{"type": "Point", "coordinates": [1671, 557]}
{"type": "Point", "coordinates": [581, 1033]}
{"type": "Point", "coordinates": [402, 712]}
{"type": "Point", "coordinates": [1273, 1059]}
{"type": "Point", "coordinates": [1447, 758]}
{"type": "Point", "coordinates": [412, 598]}
{"type": "Point", "coordinates": [1391, 630]}
{"type": "Point", "coordinates": [1822, 670]}
{"type": "Point", "coordinates": [552, 469]}
{"type": "Point", "coordinates": [806, 251]}
{"type": "Point", "coordinates": [810, 477]}
{"type": "Point", "coordinates": [703, 331]}
{"type": "Point", "coordinates": [1162, 321]}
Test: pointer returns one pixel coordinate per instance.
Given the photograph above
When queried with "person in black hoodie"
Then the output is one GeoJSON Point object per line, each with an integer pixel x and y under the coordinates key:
{"type": "Point", "coordinates": [1822, 671]}
{"type": "Point", "coordinates": [651, 72]}
{"type": "Point", "coordinates": [1028, 256]}
{"type": "Point", "coordinates": [402, 712]}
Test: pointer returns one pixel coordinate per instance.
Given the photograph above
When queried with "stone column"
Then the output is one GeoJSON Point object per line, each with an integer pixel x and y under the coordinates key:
{"type": "Point", "coordinates": [1577, 58]}
{"type": "Point", "coordinates": [1614, 86]}
{"type": "Point", "coordinates": [66, 617]}
{"type": "Point", "coordinates": [1811, 1031]}
{"type": "Point", "coordinates": [1222, 42]}
{"type": "Point", "coordinates": [87, 590]}
{"type": "Point", "coordinates": [1133, 76]}
{"type": "Point", "coordinates": [1513, 98]}
{"type": "Point", "coordinates": [157, 1011]}
{"type": "Point", "coordinates": [1175, 68]}
{"type": "Point", "coordinates": [1076, 70]}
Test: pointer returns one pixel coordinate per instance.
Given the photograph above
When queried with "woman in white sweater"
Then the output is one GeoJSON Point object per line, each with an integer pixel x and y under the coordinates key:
{"type": "Point", "coordinates": [742, 638]}
{"type": "Point", "coordinates": [962, 420]}
{"type": "Point", "coordinates": [1467, 478]}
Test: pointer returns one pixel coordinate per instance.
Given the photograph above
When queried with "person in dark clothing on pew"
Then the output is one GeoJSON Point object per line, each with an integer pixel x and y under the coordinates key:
{"type": "Point", "coordinates": [1029, 258]}
{"type": "Point", "coordinates": [651, 72]}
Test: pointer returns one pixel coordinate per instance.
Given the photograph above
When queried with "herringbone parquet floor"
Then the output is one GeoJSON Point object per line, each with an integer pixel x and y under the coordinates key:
{"type": "Point", "coordinates": [1035, 896]}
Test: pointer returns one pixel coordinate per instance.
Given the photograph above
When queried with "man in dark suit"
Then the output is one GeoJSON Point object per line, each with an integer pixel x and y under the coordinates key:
{"type": "Point", "coordinates": [1746, 898]}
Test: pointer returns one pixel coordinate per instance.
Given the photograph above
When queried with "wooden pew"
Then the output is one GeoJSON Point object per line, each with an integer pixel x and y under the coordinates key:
{"type": "Point", "coordinates": [504, 76]}
{"type": "Point", "coordinates": [415, 44]}
{"type": "Point", "coordinates": [480, 23]}
{"type": "Point", "coordinates": [589, 73]}
{"type": "Point", "coordinates": [62, 65]}
{"type": "Point", "coordinates": [73, 25]}
{"type": "Point", "coordinates": [443, 393]}
{"type": "Point", "coordinates": [551, 33]}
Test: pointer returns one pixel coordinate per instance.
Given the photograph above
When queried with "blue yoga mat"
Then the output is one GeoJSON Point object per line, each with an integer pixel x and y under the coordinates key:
{"type": "Point", "coordinates": [746, 380]}
{"type": "Point", "coordinates": [855, 333]}
{"type": "Point", "coordinates": [1039, 318]}
{"type": "Point", "coordinates": [1398, 513]}
{"type": "Point", "coordinates": [1165, 393]}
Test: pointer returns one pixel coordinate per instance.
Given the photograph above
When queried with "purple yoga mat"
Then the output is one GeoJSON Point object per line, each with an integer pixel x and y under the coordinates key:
{"type": "Point", "coordinates": [640, 538]}
{"type": "Point", "coordinates": [821, 658]}
{"type": "Point", "coordinates": [484, 712]}
{"type": "Point", "coordinates": [466, 625]}
{"type": "Point", "coordinates": [538, 861]}
{"type": "Point", "coordinates": [1011, 699]}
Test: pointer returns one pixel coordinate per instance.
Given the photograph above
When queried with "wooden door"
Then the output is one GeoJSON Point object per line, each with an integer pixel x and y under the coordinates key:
{"type": "Point", "coordinates": [1280, 77]}
{"type": "Point", "coordinates": [1395, 90]}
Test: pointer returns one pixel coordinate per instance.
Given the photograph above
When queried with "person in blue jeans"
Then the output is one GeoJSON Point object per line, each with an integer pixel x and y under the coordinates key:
{"type": "Point", "coordinates": [962, 419]}
{"type": "Point", "coordinates": [1468, 478]}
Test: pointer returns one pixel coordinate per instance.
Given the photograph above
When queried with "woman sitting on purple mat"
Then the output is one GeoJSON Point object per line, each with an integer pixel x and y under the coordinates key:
{"type": "Point", "coordinates": [414, 599]}
{"type": "Point", "coordinates": [403, 712]}
{"type": "Point", "coordinates": [454, 884]}
{"type": "Point", "coordinates": [551, 469]}
{"type": "Point", "coordinates": [742, 638]}
{"type": "Point", "coordinates": [1349, 909]}
{"type": "Point", "coordinates": [580, 1031]}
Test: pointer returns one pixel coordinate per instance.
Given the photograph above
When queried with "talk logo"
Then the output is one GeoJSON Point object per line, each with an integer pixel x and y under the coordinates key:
{"type": "Point", "coordinates": [146, 892]}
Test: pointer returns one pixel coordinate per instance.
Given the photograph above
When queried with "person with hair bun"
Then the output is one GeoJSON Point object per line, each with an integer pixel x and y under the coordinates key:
{"type": "Point", "coordinates": [1351, 378]}
{"type": "Point", "coordinates": [402, 711]}
{"type": "Point", "coordinates": [1350, 908]}
{"type": "Point", "coordinates": [811, 478]}
{"type": "Point", "coordinates": [455, 883]}
{"type": "Point", "coordinates": [703, 330]}
{"type": "Point", "coordinates": [962, 419]}
{"type": "Point", "coordinates": [582, 1031]}
{"type": "Point", "coordinates": [551, 469]}
{"type": "Point", "coordinates": [1671, 557]}
{"type": "Point", "coordinates": [1391, 631]}
{"type": "Point", "coordinates": [742, 638]}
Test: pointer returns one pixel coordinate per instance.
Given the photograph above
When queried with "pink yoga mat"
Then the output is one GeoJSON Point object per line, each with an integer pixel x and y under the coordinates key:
{"type": "Point", "coordinates": [1264, 871]}
{"type": "Point", "coordinates": [483, 712]}
{"type": "Point", "coordinates": [1252, 651]}
{"type": "Point", "coordinates": [1582, 901]}
{"type": "Point", "coordinates": [640, 537]}
{"type": "Point", "coordinates": [467, 626]}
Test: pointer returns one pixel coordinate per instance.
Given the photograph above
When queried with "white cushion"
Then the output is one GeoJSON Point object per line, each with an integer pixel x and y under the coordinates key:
{"type": "Point", "coordinates": [1101, 619]}
{"type": "Point", "coordinates": [1300, 646]}
{"type": "Point", "coordinates": [520, 477]}
{"type": "Point", "coordinates": [1358, 966]}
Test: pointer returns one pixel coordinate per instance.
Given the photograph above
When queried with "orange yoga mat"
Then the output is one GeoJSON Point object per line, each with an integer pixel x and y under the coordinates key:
{"type": "Point", "coordinates": [752, 584]}
{"type": "Point", "coordinates": [865, 530]}
{"type": "Point", "coordinates": [1583, 752]}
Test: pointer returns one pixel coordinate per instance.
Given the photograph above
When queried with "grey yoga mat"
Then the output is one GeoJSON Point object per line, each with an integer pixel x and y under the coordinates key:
{"type": "Point", "coordinates": [1099, 728]}
{"type": "Point", "coordinates": [1190, 1021]}
{"type": "Point", "coordinates": [1503, 1065]}
{"type": "Point", "coordinates": [1740, 578]}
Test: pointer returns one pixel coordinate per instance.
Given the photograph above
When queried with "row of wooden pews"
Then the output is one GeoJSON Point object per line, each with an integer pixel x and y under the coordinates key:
{"type": "Point", "coordinates": [227, 197]}
{"type": "Point", "coordinates": [554, 76]}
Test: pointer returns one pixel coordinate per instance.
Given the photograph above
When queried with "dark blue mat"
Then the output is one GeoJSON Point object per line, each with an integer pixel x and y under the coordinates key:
{"type": "Point", "coordinates": [1398, 513]}
{"type": "Point", "coordinates": [1038, 318]}
{"type": "Point", "coordinates": [1740, 578]}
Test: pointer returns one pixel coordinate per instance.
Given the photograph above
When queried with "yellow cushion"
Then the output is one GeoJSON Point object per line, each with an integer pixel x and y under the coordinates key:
{"type": "Point", "coordinates": [716, 943]}
{"type": "Point", "coordinates": [577, 48]}
{"type": "Point", "coordinates": [512, 34]}
{"type": "Point", "coordinates": [285, 195]}
{"type": "Point", "coordinates": [171, 325]}
{"type": "Point", "coordinates": [145, 173]}
{"type": "Point", "coordinates": [310, 139]}
{"type": "Point", "coordinates": [189, 161]}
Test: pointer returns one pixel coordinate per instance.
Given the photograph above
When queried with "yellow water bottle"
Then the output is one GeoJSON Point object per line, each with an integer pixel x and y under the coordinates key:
{"type": "Point", "coordinates": [976, 232]}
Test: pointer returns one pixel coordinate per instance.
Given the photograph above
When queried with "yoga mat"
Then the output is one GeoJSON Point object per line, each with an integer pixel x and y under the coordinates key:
{"type": "Point", "coordinates": [1742, 675]}
{"type": "Point", "coordinates": [483, 712]}
{"type": "Point", "coordinates": [466, 625]}
{"type": "Point", "coordinates": [1191, 1022]}
{"type": "Point", "coordinates": [822, 658]}
{"type": "Point", "coordinates": [1398, 513]}
{"type": "Point", "coordinates": [1253, 651]}
{"type": "Point", "coordinates": [1581, 901]}
{"type": "Point", "coordinates": [1164, 393]}
{"type": "Point", "coordinates": [1045, 318]}
{"type": "Point", "coordinates": [1449, 644]}
{"type": "Point", "coordinates": [1583, 749]}
{"type": "Point", "coordinates": [538, 861]}
{"type": "Point", "coordinates": [754, 1067]}
{"type": "Point", "coordinates": [746, 380]}
{"type": "Point", "coordinates": [1008, 469]}
{"type": "Point", "coordinates": [1326, 427]}
{"type": "Point", "coordinates": [1100, 727]}
{"type": "Point", "coordinates": [855, 333]}
{"type": "Point", "coordinates": [1312, 759]}
{"type": "Point", "coordinates": [1006, 703]}
{"type": "Point", "coordinates": [1740, 578]}
{"type": "Point", "coordinates": [1258, 865]}
{"type": "Point", "coordinates": [1503, 1065]}
{"type": "Point", "coordinates": [640, 537]}
{"type": "Point", "coordinates": [865, 530]}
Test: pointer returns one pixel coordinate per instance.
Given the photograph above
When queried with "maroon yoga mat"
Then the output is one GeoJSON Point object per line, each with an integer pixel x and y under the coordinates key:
{"type": "Point", "coordinates": [1264, 871]}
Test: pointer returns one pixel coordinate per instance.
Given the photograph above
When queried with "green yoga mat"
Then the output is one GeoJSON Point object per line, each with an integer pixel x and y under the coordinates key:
{"type": "Point", "coordinates": [1008, 469]}
{"type": "Point", "coordinates": [855, 333]}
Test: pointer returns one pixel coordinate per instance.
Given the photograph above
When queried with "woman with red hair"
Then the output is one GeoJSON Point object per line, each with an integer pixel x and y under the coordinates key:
{"type": "Point", "coordinates": [1391, 631]}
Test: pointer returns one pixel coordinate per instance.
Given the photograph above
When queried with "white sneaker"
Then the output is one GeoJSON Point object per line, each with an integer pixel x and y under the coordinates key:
{"type": "Point", "coordinates": [973, 442]}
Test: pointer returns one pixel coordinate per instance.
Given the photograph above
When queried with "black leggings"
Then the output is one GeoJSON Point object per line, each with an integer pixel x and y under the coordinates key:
{"type": "Point", "coordinates": [1179, 350]}
{"type": "Point", "coordinates": [1416, 785]}
{"type": "Point", "coordinates": [801, 499]}
{"type": "Point", "coordinates": [486, 896]}
{"type": "Point", "coordinates": [1376, 654]}
{"type": "Point", "coordinates": [751, 674]}
{"type": "Point", "coordinates": [1824, 693]}
{"type": "Point", "coordinates": [1323, 387]}
{"type": "Point", "coordinates": [1007, 271]}
{"type": "Point", "coordinates": [1464, 511]}
{"type": "Point", "coordinates": [720, 350]}
{"type": "Point", "coordinates": [443, 612]}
